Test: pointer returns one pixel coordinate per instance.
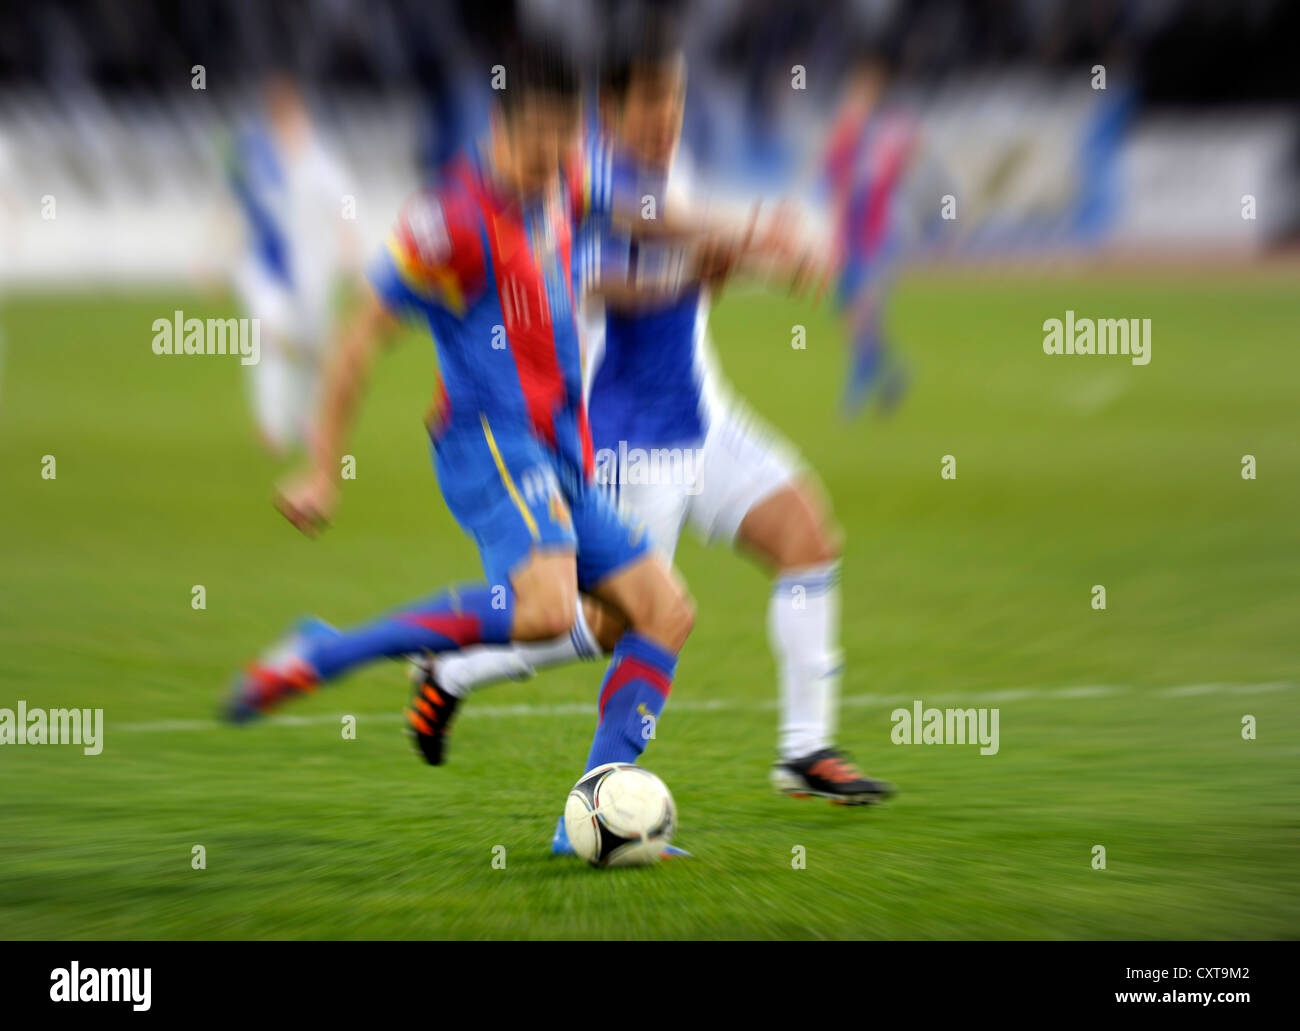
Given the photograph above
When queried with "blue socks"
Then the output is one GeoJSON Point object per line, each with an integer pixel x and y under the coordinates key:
{"type": "Point", "coordinates": [632, 696]}
{"type": "Point", "coordinates": [455, 619]}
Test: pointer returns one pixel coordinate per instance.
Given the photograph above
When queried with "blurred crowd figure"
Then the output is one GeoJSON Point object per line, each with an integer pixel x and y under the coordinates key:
{"type": "Point", "coordinates": [298, 213]}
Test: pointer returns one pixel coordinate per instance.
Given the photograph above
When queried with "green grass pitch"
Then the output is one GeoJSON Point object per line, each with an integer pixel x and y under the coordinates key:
{"type": "Point", "coordinates": [1120, 728]}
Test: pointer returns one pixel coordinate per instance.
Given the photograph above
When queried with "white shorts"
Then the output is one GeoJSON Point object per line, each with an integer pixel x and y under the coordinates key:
{"type": "Point", "coordinates": [713, 486]}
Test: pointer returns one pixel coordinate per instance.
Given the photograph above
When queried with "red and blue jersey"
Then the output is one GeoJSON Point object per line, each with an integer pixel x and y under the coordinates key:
{"type": "Point", "coordinates": [492, 280]}
{"type": "Point", "coordinates": [864, 163]}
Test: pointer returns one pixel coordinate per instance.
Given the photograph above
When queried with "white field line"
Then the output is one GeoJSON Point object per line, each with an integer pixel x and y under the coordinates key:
{"type": "Point", "coordinates": [858, 701]}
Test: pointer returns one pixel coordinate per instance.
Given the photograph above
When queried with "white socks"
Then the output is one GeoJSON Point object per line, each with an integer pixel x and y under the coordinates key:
{"type": "Point", "coordinates": [803, 628]}
{"type": "Point", "coordinates": [462, 672]}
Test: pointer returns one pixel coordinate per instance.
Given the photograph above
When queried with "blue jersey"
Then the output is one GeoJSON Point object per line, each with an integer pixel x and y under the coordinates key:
{"type": "Point", "coordinates": [647, 388]}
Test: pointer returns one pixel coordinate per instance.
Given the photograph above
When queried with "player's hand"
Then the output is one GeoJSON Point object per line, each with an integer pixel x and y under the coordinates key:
{"type": "Point", "coordinates": [784, 228]}
{"type": "Point", "coordinates": [789, 257]}
{"type": "Point", "coordinates": [810, 273]}
{"type": "Point", "coordinates": [716, 257]}
{"type": "Point", "coordinates": [308, 501]}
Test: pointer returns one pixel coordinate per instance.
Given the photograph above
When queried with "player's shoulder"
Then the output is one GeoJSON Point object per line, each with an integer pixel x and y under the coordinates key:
{"type": "Point", "coordinates": [439, 219]}
{"type": "Point", "coordinates": [434, 254]}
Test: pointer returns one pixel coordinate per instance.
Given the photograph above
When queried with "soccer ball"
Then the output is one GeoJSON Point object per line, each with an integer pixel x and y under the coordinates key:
{"type": "Point", "coordinates": [619, 815]}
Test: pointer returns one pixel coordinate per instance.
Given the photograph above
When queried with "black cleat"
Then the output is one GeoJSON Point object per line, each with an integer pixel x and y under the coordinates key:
{"type": "Point", "coordinates": [828, 774]}
{"type": "Point", "coordinates": [430, 713]}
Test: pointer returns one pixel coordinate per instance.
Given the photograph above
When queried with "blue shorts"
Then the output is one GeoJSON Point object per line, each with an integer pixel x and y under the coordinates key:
{"type": "Point", "coordinates": [513, 494]}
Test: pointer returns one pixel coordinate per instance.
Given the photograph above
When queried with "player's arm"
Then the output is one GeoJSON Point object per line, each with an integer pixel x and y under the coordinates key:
{"type": "Point", "coordinates": [710, 249]}
{"type": "Point", "coordinates": [770, 250]}
{"type": "Point", "coordinates": [432, 259]}
{"type": "Point", "coordinates": [779, 250]}
{"type": "Point", "coordinates": [605, 192]}
{"type": "Point", "coordinates": [308, 499]}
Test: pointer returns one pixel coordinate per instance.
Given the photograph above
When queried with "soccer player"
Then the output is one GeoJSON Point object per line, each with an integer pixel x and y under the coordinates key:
{"type": "Point", "coordinates": [654, 386]}
{"type": "Point", "coordinates": [483, 261]}
{"type": "Point", "coordinates": [291, 192]}
{"type": "Point", "coordinates": [865, 160]}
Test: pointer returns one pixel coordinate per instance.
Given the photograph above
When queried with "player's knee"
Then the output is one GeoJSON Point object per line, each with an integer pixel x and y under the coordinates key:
{"type": "Point", "coordinates": [543, 613]}
{"type": "Point", "coordinates": [541, 623]}
{"type": "Point", "coordinates": [606, 625]}
{"type": "Point", "coordinates": [670, 620]}
{"type": "Point", "coordinates": [810, 537]}
{"type": "Point", "coordinates": [823, 543]}
{"type": "Point", "coordinates": [685, 617]}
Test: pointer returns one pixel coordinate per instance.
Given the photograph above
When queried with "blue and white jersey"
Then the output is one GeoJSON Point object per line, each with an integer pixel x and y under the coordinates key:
{"type": "Point", "coordinates": [257, 178]}
{"type": "Point", "coordinates": [292, 203]}
{"type": "Point", "coordinates": [650, 375]}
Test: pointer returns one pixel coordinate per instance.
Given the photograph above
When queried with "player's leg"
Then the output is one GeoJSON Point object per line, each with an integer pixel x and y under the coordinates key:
{"type": "Point", "coordinates": [545, 597]}
{"type": "Point", "coordinates": [532, 604]}
{"type": "Point", "coordinates": [270, 390]}
{"type": "Point", "coordinates": [305, 390]}
{"type": "Point", "coordinates": [539, 512]}
{"type": "Point", "coordinates": [756, 496]}
{"type": "Point", "coordinates": [597, 628]}
{"type": "Point", "coordinates": [531, 593]}
{"type": "Point", "coordinates": [636, 686]}
{"type": "Point", "coordinates": [791, 534]}
{"type": "Point", "coordinates": [627, 566]}
{"type": "Point", "coordinates": [865, 316]}
{"type": "Point", "coordinates": [618, 564]}
{"type": "Point", "coordinates": [873, 367]}
{"type": "Point", "coordinates": [271, 382]}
